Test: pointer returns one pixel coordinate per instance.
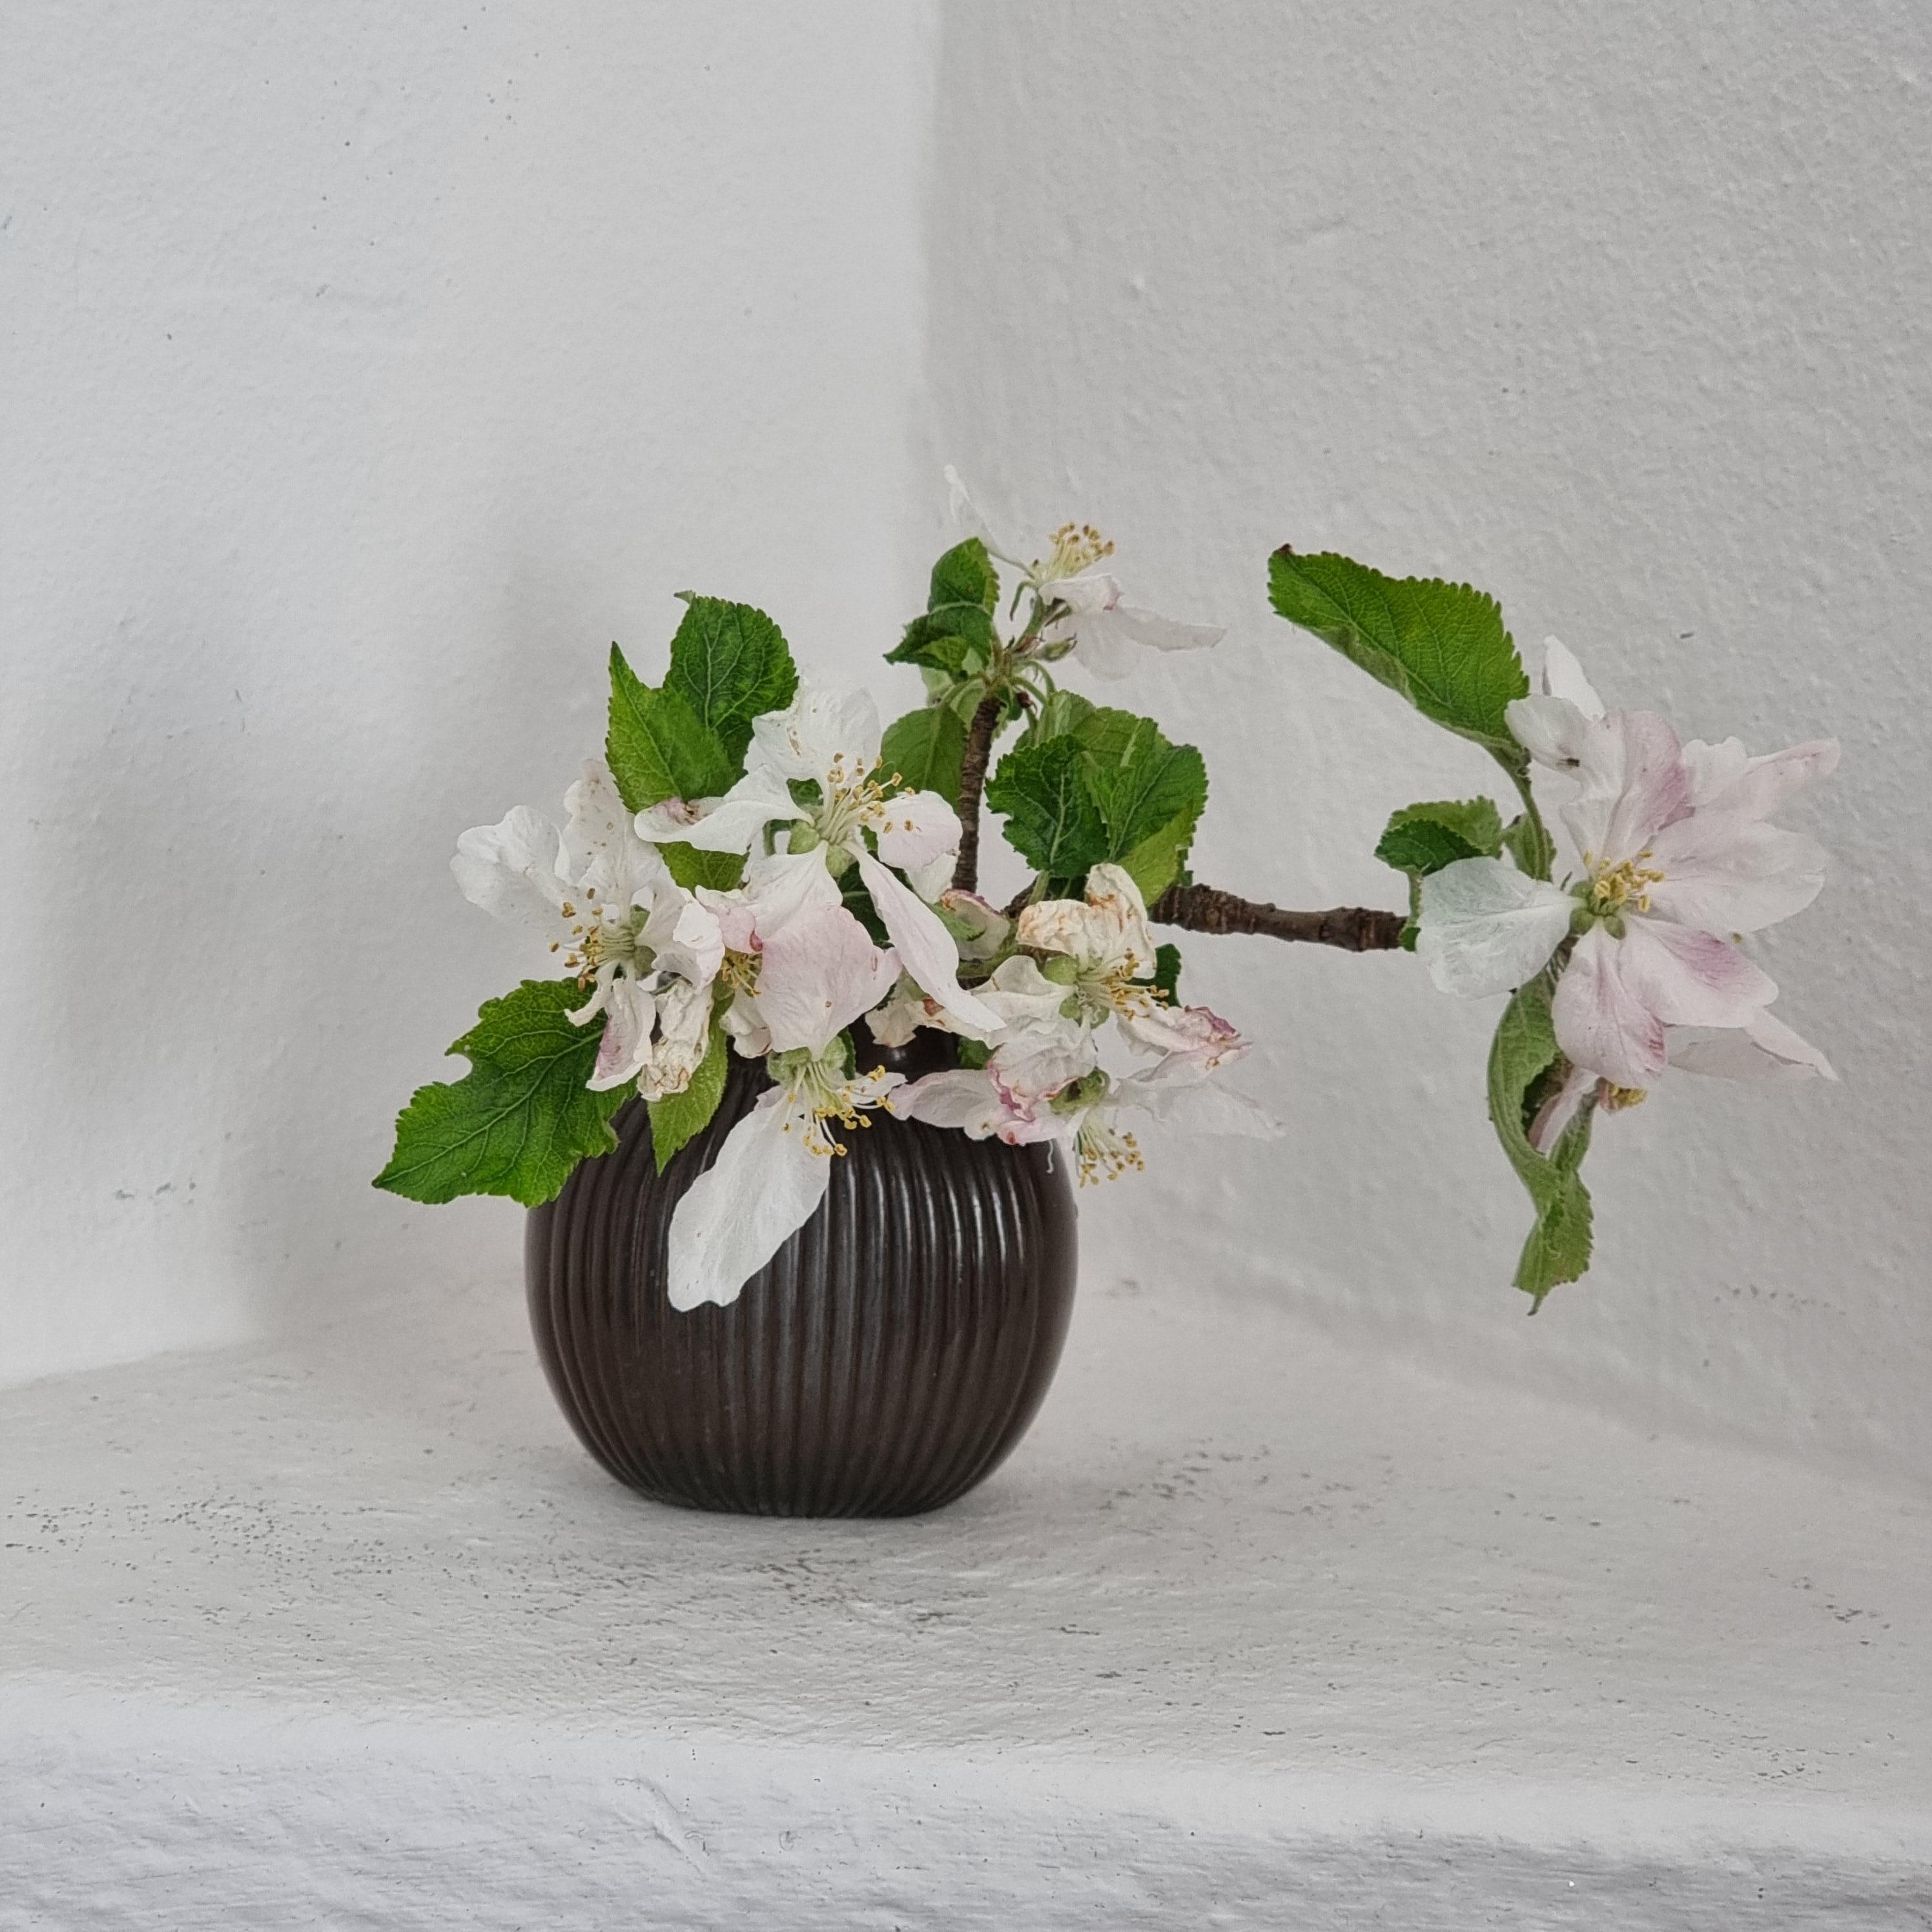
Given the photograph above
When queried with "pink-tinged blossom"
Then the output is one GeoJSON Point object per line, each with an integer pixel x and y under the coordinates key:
{"type": "Point", "coordinates": [1674, 860]}
{"type": "Point", "coordinates": [830, 741]}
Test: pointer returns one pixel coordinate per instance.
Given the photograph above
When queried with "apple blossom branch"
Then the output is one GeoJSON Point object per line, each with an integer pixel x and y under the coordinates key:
{"type": "Point", "coordinates": [978, 753]}
{"type": "Point", "coordinates": [1205, 909]}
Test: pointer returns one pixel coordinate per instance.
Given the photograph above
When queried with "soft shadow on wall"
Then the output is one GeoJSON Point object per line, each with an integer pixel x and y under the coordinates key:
{"type": "Point", "coordinates": [1624, 319]}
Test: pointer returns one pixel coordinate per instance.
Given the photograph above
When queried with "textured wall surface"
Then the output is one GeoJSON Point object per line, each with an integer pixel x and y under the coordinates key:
{"type": "Point", "coordinates": [368, 370]}
{"type": "Point", "coordinates": [1621, 314]}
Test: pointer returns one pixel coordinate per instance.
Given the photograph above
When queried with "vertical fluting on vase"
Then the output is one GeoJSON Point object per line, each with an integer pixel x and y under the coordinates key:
{"type": "Point", "coordinates": [887, 1358]}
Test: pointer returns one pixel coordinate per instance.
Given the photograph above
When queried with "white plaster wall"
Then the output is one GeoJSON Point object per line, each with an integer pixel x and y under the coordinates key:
{"type": "Point", "coordinates": [1621, 313]}
{"type": "Point", "coordinates": [367, 370]}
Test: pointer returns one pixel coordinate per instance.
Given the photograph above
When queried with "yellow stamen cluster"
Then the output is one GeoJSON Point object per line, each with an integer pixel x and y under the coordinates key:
{"type": "Point", "coordinates": [818, 1096]}
{"type": "Point", "coordinates": [1628, 884]}
{"type": "Point", "coordinates": [1613, 1099]}
{"type": "Point", "coordinates": [739, 971]}
{"type": "Point", "coordinates": [1104, 1153]}
{"type": "Point", "coordinates": [1077, 547]}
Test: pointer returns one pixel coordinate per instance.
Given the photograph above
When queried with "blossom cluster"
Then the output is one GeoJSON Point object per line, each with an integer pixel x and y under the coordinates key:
{"type": "Point", "coordinates": [1669, 860]}
{"type": "Point", "coordinates": [757, 869]}
{"type": "Point", "coordinates": [787, 960]}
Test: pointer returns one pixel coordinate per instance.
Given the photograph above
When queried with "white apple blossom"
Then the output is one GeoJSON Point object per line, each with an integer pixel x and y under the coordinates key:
{"type": "Point", "coordinates": [1673, 861]}
{"type": "Point", "coordinates": [642, 946]}
{"type": "Point", "coordinates": [1104, 950]}
{"type": "Point", "coordinates": [770, 1174]}
{"type": "Point", "coordinates": [1082, 604]}
{"type": "Point", "coordinates": [828, 746]}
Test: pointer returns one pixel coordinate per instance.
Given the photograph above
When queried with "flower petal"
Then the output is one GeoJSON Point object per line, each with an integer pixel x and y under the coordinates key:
{"type": "Point", "coordinates": [1560, 1109]}
{"type": "Point", "coordinates": [684, 935]}
{"type": "Point", "coordinates": [827, 737]}
{"type": "Point", "coordinates": [1563, 677]}
{"type": "Point", "coordinates": [630, 1017]}
{"type": "Point", "coordinates": [915, 828]}
{"type": "Point", "coordinates": [1196, 1105]}
{"type": "Point", "coordinates": [965, 513]}
{"type": "Point", "coordinates": [1764, 784]}
{"type": "Point", "coordinates": [734, 822]}
{"type": "Point", "coordinates": [925, 948]}
{"type": "Point", "coordinates": [1601, 1024]}
{"type": "Point", "coordinates": [1552, 730]}
{"type": "Point", "coordinates": [817, 974]}
{"type": "Point", "coordinates": [967, 1099]}
{"type": "Point", "coordinates": [1724, 875]}
{"type": "Point", "coordinates": [1764, 1049]}
{"type": "Point", "coordinates": [602, 853]}
{"type": "Point", "coordinates": [1688, 978]}
{"type": "Point", "coordinates": [1486, 928]}
{"type": "Point", "coordinates": [765, 1184]}
{"type": "Point", "coordinates": [1633, 784]}
{"type": "Point", "coordinates": [512, 870]}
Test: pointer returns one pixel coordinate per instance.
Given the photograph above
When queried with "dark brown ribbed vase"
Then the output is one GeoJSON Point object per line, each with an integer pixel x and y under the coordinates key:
{"type": "Point", "coordinates": [885, 1360]}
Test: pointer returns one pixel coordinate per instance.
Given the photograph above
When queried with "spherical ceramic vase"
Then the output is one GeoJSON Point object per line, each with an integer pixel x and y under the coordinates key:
{"type": "Point", "coordinates": [887, 1359]}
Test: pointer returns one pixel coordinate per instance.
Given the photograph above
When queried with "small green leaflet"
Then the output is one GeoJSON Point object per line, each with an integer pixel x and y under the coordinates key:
{"type": "Point", "coordinates": [1523, 1060]}
{"type": "Point", "coordinates": [521, 1119]}
{"type": "Point", "coordinates": [955, 635]}
{"type": "Point", "coordinates": [1442, 646]}
{"type": "Point", "coordinates": [678, 1116]}
{"type": "Point", "coordinates": [657, 745]}
{"type": "Point", "coordinates": [965, 575]}
{"type": "Point", "coordinates": [729, 664]}
{"type": "Point", "coordinates": [1052, 821]}
{"type": "Point", "coordinates": [925, 749]}
{"type": "Point", "coordinates": [1423, 839]}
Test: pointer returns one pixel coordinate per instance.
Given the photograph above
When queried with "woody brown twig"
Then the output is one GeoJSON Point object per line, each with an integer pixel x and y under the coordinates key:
{"type": "Point", "coordinates": [1204, 909]}
{"type": "Point", "coordinates": [979, 736]}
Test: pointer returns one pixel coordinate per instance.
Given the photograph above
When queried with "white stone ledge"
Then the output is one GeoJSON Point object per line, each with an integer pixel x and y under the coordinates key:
{"type": "Point", "coordinates": [1253, 1631]}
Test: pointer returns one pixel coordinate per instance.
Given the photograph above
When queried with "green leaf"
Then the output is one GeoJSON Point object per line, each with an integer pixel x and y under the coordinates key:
{"type": "Point", "coordinates": [1063, 712]}
{"type": "Point", "coordinates": [678, 1116]}
{"type": "Point", "coordinates": [965, 575]}
{"type": "Point", "coordinates": [1524, 1065]}
{"type": "Point", "coordinates": [957, 639]}
{"type": "Point", "coordinates": [691, 866]}
{"type": "Point", "coordinates": [1423, 839]}
{"type": "Point", "coordinates": [657, 745]}
{"type": "Point", "coordinates": [521, 1119]}
{"type": "Point", "coordinates": [1167, 972]}
{"type": "Point", "coordinates": [1052, 820]}
{"type": "Point", "coordinates": [925, 749]}
{"type": "Point", "coordinates": [730, 663]}
{"type": "Point", "coordinates": [1442, 646]}
{"type": "Point", "coordinates": [1150, 793]}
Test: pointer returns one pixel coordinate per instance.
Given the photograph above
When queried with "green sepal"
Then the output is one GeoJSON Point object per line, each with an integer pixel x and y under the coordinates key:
{"type": "Point", "coordinates": [677, 1117]}
{"type": "Point", "coordinates": [658, 747]}
{"type": "Point", "coordinates": [1528, 841]}
{"type": "Point", "coordinates": [925, 749]}
{"type": "Point", "coordinates": [1525, 1064]}
{"type": "Point", "coordinates": [1423, 839]}
{"type": "Point", "coordinates": [1443, 647]}
{"type": "Point", "coordinates": [729, 664]}
{"type": "Point", "coordinates": [521, 1119]}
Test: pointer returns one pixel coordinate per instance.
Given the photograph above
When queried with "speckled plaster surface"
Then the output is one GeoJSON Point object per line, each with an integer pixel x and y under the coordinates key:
{"type": "Point", "coordinates": [1249, 1619]}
